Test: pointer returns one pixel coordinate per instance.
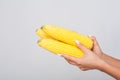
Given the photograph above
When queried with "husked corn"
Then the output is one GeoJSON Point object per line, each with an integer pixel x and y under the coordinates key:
{"type": "Point", "coordinates": [42, 34]}
{"type": "Point", "coordinates": [67, 36]}
{"type": "Point", "coordinates": [58, 47]}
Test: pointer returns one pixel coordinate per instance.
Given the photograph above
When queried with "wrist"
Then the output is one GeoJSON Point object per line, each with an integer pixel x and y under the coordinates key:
{"type": "Point", "coordinates": [103, 56]}
{"type": "Point", "coordinates": [109, 69]}
{"type": "Point", "coordinates": [101, 65]}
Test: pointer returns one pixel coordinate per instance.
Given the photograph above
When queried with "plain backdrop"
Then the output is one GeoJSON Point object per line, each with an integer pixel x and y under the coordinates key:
{"type": "Point", "coordinates": [22, 59]}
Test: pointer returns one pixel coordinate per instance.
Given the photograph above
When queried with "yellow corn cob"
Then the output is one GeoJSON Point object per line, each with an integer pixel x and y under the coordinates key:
{"type": "Point", "coordinates": [42, 34]}
{"type": "Point", "coordinates": [67, 36]}
{"type": "Point", "coordinates": [58, 47]}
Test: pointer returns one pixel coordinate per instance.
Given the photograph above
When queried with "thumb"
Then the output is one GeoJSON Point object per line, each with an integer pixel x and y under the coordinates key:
{"type": "Point", "coordinates": [82, 47]}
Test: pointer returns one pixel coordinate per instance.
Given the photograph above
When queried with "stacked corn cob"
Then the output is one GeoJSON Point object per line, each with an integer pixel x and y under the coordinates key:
{"type": "Point", "coordinates": [60, 40]}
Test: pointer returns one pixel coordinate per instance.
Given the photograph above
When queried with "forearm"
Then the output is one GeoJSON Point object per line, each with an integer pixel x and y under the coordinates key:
{"type": "Point", "coordinates": [110, 69]}
{"type": "Point", "coordinates": [113, 61]}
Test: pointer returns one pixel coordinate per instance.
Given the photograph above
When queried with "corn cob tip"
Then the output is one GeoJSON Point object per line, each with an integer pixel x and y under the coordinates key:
{"type": "Point", "coordinates": [36, 30]}
{"type": "Point", "coordinates": [39, 40]}
{"type": "Point", "coordinates": [42, 26]}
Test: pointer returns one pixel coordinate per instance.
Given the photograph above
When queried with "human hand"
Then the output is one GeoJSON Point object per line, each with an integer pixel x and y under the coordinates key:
{"type": "Point", "coordinates": [91, 58]}
{"type": "Point", "coordinates": [95, 59]}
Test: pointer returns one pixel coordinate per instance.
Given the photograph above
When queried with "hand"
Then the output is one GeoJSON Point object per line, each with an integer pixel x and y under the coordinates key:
{"type": "Point", "coordinates": [95, 59]}
{"type": "Point", "coordinates": [91, 58]}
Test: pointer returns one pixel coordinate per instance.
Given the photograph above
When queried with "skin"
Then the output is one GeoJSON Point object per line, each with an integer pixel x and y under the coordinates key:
{"type": "Point", "coordinates": [95, 59]}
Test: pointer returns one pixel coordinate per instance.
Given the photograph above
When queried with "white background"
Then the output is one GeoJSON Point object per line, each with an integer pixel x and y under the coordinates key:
{"type": "Point", "coordinates": [22, 59]}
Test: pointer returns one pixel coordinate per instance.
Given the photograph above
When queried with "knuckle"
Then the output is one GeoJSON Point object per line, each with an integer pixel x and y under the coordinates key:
{"type": "Point", "coordinates": [83, 69]}
{"type": "Point", "coordinates": [78, 63]}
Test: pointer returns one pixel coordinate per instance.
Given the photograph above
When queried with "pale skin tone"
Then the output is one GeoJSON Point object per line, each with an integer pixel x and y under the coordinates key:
{"type": "Point", "coordinates": [95, 59]}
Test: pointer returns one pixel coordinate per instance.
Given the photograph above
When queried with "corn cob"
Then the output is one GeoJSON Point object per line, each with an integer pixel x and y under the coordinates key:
{"type": "Point", "coordinates": [58, 47]}
{"type": "Point", "coordinates": [67, 36]}
{"type": "Point", "coordinates": [42, 34]}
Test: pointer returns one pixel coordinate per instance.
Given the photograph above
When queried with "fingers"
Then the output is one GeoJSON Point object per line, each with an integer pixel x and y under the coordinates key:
{"type": "Point", "coordinates": [96, 48]}
{"type": "Point", "coordinates": [69, 58]}
{"type": "Point", "coordinates": [73, 61]}
{"type": "Point", "coordinates": [95, 43]}
{"type": "Point", "coordinates": [83, 68]}
{"type": "Point", "coordinates": [69, 61]}
{"type": "Point", "coordinates": [82, 47]}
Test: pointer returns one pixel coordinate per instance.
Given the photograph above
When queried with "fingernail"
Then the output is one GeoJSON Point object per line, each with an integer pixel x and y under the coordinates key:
{"type": "Point", "coordinates": [77, 42]}
{"type": "Point", "coordinates": [59, 55]}
{"type": "Point", "coordinates": [89, 35]}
